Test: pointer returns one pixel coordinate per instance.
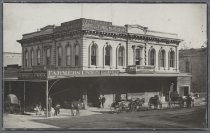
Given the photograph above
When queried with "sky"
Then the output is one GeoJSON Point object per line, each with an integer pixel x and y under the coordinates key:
{"type": "Point", "coordinates": [189, 21]}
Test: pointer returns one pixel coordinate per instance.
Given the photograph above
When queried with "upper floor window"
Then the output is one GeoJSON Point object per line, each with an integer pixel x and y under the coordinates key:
{"type": "Point", "coordinates": [171, 58]}
{"type": "Point", "coordinates": [138, 56]}
{"type": "Point", "coordinates": [48, 56]}
{"type": "Point", "coordinates": [151, 57]}
{"type": "Point", "coordinates": [93, 54]}
{"type": "Point", "coordinates": [162, 57]}
{"type": "Point", "coordinates": [76, 55]}
{"type": "Point", "coordinates": [121, 56]}
{"type": "Point", "coordinates": [187, 66]}
{"type": "Point", "coordinates": [68, 55]}
{"type": "Point", "coordinates": [108, 55]}
{"type": "Point", "coordinates": [59, 56]}
{"type": "Point", "coordinates": [26, 58]}
{"type": "Point", "coordinates": [32, 57]}
{"type": "Point", "coordinates": [38, 56]}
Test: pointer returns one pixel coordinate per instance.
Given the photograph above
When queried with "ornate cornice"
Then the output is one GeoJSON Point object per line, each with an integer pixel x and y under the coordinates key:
{"type": "Point", "coordinates": [85, 27]}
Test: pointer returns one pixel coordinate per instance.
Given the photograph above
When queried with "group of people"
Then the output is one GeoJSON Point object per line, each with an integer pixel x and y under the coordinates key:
{"type": "Point", "coordinates": [102, 100]}
{"type": "Point", "coordinates": [52, 111]}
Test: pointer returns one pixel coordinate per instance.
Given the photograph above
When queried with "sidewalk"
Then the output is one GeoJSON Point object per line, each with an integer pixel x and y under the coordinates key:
{"type": "Point", "coordinates": [26, 121]}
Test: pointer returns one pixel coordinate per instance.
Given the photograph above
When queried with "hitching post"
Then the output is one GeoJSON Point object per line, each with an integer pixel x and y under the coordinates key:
{"type": "Point", "coordinates": [47, 98]}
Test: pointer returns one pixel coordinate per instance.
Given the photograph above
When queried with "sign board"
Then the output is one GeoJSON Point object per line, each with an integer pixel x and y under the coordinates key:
{"type": "Point", "coordinates": [32, 75]}
{"type": "Point", "coordinates": [80, 73]}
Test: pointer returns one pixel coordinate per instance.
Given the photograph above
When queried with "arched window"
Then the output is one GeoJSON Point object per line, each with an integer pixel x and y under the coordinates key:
{"type": "Point", "coordinates": [151, 57]}
{"type": "Point", "coordinates": [26, 58]}
{"type": "Point", "coordinates": [76, 55]}
{"type": "Point", "coordinates": [93, 54]}
{"type": "Point", "coordinates": [138, 56]}
{"type": "Point", "coordinates": [171, 58]}
{"type": "Point", "coordinates": [32, 57]}
{"type": "Point", "coordinates": [162, 58]}
{"type": "Point", "coordinates": [68, 55]}
{"type": "Point", "coordinates": [120, 56]}
{"type": "Point", "coordinates": [108, 49]}
{"type": "Point", "coordinates": [59, 55]}
{"type": "Point", "coordinates": [48, 56]}
{"type": "Point", "coordinates": [38, 56]}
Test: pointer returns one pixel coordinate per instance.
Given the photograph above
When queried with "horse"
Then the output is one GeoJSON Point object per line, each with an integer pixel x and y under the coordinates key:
{"type": "Point", "coordinates": [136, 104]}
{"type": "Point", "coordinates": [154, 101]}
{"type": "Point", "coordinates": [76, 105]}
{"type": "Point", "coordinates": [176, 99]}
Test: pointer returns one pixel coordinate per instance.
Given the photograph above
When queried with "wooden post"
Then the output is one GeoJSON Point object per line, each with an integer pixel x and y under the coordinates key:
{"type": "Point", "coordinates": [47, 98]}
{"type": "Point", "coordinates": [24, 97]}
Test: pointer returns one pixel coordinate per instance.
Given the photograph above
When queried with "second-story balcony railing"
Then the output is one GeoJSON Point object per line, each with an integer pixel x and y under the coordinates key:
{"type": "Point", "coordinates": [140, 69]}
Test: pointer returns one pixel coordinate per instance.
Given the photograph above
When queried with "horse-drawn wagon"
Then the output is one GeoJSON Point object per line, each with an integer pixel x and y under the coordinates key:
{"type": "Point", "coordinates": [12, 104]}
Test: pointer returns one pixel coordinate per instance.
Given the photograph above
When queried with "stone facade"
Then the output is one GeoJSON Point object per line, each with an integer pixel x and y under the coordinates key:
{"type": "Point", "coordinates": [86, 32]}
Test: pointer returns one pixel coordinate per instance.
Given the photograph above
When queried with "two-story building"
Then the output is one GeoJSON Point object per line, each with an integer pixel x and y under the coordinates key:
{"type": "Point", "coordinates": [87, 58]}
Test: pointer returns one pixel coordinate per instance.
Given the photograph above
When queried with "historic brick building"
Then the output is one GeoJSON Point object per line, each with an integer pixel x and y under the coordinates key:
{"type": "Point", "coordinates": [194, 61]}
{"type": "Point", "coordinates": [88, 58]}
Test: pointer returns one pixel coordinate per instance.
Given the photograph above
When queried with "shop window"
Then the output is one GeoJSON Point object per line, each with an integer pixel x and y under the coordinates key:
{"type": "Point", "coordinates": [59, 56]}
{"type": "Point", "coordinates": [76, 55]}
{"type": "Point", "coordinates": [152, 57]}
{"type": "Point", "coordinates": [32, 57]}
{"type": "Point", "coordinates": [120, 56]}
{"type": "Point", "coordinates": [93, 54]}
{"type": "Point", "coordinates": [138, 56]}
{"type": "Point", "coordinates": [38, 56]}
{"type": "Point", "coordinates": [108, 55]}
{"type": "Point", "coordinates": [68, 55]}
{"type": "Point", "coordinates": [162, 58]}
{"type": "Point", "coordinates": [48, 56]}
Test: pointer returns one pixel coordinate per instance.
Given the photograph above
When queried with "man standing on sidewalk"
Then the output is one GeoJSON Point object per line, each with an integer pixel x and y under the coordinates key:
{"type": "Point", "coordinates": [103, 99]}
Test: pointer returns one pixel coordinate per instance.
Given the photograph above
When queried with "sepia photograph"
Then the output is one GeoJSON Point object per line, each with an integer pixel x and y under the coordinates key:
{"type": "Point", "coordinates": [104, 66]}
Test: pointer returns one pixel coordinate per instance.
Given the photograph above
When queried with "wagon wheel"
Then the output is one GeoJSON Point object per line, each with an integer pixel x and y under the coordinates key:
{"type": "Point", "coordinates": [113, 109]}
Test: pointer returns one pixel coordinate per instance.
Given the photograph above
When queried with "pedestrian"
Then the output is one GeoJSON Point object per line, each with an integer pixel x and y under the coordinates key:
{"type": "Point", "coordinates": [103, 100]}
{"type": "Point", "coordinates": [57, 109]}
{"type": "Point", "coordinates": [99, 102]}
{"type": "Point", "coordinates": [188, 101]}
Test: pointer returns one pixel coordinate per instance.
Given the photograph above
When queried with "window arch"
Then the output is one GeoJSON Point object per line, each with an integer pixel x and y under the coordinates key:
{"type": "Point", "coordinates": [32, 57]}
{"type": "Point", "coordinates": [26, 58]}
{"type": "Point", "coordinates": [76, 55]}
{"type": "Point", "coordinates": [93, 57]}
{"type": "Point", "coordinates": [171, 58]}
{"type": "Point", "coordinates": [60, 55]}
{"type": "Point", "coordinates": [38, 56]}
{"type": "Point", "coordinates": [68, 55]}
{"type": "Point", "coordinates": [152, 57]}
{"type": "Point", "coordinates": [108, 50]}
{"type": "Point", "coordinates": [121, 56]}
{"type": "Point", "coordinates": [162, 58]}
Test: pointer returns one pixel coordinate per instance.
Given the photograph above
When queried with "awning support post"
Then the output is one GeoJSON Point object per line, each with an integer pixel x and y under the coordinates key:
{"type": "Point", "coordinates": [47, 98]}
{"type": "Point", "coordinates": [24, 96]}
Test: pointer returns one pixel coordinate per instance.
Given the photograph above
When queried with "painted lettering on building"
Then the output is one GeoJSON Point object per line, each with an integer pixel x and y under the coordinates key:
{"type": "Point", "coordinates": [77, 73]}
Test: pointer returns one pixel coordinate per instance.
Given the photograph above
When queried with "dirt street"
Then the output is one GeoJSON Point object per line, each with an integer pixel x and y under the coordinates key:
{"type": "Point", "coordinates": [168, 118]}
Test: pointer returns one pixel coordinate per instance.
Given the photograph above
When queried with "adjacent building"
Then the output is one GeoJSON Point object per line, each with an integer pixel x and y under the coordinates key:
{"type": "Point", "coordinates": [194, 61]}
{"type": "Point", "coordinates": [85, 58]}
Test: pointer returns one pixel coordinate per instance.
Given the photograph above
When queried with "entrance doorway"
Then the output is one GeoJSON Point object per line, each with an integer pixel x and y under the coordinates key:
{"type": "Point", "coordinates": [184, 91]}
{"type": "Point", "coordinates": [93, 95]}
